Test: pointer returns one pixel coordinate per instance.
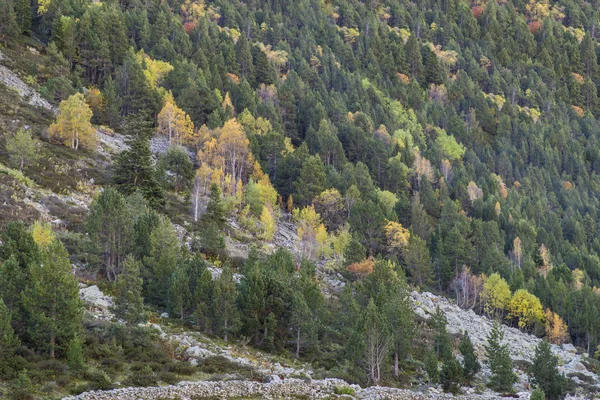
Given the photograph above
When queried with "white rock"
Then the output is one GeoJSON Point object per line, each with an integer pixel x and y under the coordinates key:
{"type": "Point", "coordinates": [569, 347]}
{"type": "Point", "coordinates": [197, 352]}
{"type": "Point", "coordinates": [93, 296]}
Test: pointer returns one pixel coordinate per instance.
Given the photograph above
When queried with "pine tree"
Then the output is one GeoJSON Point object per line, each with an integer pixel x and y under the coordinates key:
{"type": "Point", "coordinates": [413, 55]}
{"type": "Point", "coordinates": [301, 322]}
{"type": "Point", "coordinates": [418, 262]}
{"type": "Point", "coordinates": [128, 300]}
{"type": "Point", "coordinates": [431, 366]}
{"type": "Point", "coordinates": [226, 312]}
{"type": "Point", "coordinates": [545, 372]}
{"type": "Point", "coordinates": [588, 56]}
{"type": "Point", "coordinates": [164, 256]}
{"type": "Point", "coordinates": [244, 58]}
{"type": "Point", "coordinates": [180, 295]}
{"type": "Point", "coordinates": [451, 375]}
{"type": "Point", "coordinates": [179, 166]}
{"type": "Point", "coordinates": [311, 182]}
{"type": "Point", "coordinates": [204, 300]}
{"type": "Point", "coordinates": [112, 104]}
{"type": "Point", "coordinates": [442, 341]}
{"type": "Point", "coordinates": [215, 211]}
{"type": "Point", "coordinates": [213, 221]}
{"type": "Point", "coordinates": [109, 227]}
{"type": "Point", "coordinates": [23, 15]}
{"type": "Point", "coordinates": [8, 340]}
{"type": "Point", "coordinates": [470, 363]}
{"type": "Point", "coordinates": [52, 301]}
{"type": "Point", "coordinates": [13, 279]}
{"type": "Point", "coordinates": [75, 356]}
{"type": "Point", "coordinates": [537, 394]}
{"type": "Point", "coordinates": [133, 169]}
{"type": "Point", "coordinates": [8, 21]}
{"type": "Point", "coordinates": [263, 71]}
{"type": "Point", "coordinates": [498, 360]}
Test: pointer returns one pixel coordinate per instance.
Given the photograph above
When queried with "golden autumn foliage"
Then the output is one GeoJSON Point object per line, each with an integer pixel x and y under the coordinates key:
{"type": "Point", "coordinates": [267, 222]}
{"type": "Point", "coordinates": [403, 78]}
{"type": "Point", "coordinates": [175, 123]}
{"type": "Point", "coordinates": [495, 295]}
{"type": "Point", "coordinates": [578, 111]}
{"type": "Point", "coordinates": [229, 150]}
{"type": "Point", "coordinates": [578, 276]}
{"type": "Point", "coordinates": [95, 100]}
{"type": "Point", "coordinates": [42, 234]}
{"type": "Point", "coordinates": [154, 70]}
{"type": "Point", "coordinates": [526, 308]}
{"type": "Point", "coordinates": [474, 191]}
{"type": "Point", "coordinates": [362, 268]}
{"type": "Point", "coordinates": [545, 257]}
{"type": "Point", "coordinates": [312, 234]}
{"type": "Point", "coordinates": [556, 329]}
{"type": "Point", "coordinates": [72, 125]}
{"type": "Point", "coordinates": [397, 235]}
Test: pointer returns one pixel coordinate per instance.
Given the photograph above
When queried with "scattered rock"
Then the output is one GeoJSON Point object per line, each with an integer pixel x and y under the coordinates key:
{"type": "Point", "coordinates": [28, 94]}
{"type": "Point", "coordinates": [94, 297]}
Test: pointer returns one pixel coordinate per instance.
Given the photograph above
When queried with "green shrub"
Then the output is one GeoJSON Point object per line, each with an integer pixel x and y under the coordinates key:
{"type": "Point", "coordinates": [180, 368]}
{"type": "Point", "coordinates": [142, 378]}
{"type": "Point", "coordinates": [167, 377]}
{"type": "Point", "coordinates": [97, 380]}
{"type": "Point", "coordinates": [343, 390]}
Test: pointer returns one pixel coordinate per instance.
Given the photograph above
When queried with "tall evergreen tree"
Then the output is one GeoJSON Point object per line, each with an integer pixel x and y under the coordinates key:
{"type": "Point", "coordinates": [128, 300]}
{"type": "Point", "coordinates": [545, 372]}
{"type": "Point", "coordinates": [52, 301]}
{"type": "Point", "coordinates": [133, 169]}
{"type": "Point", "coordinates": [311, 182]}
{"type": "Point", "coordinates": [8, 340]}
{"type": "Point", "coordinates": [470, 363]}
{"type": "Point", "coordinates": [498, 360]}
{"type": "Point", "coordinates": [226, 312]}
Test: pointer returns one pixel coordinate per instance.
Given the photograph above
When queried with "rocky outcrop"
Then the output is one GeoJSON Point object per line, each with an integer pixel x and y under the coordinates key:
{"type": "Point", "coordinates": [97, 302]}
{"type": "Point", "coordinates": [522, 345]}
{"type": "Point", "coordinates": [28, 94]}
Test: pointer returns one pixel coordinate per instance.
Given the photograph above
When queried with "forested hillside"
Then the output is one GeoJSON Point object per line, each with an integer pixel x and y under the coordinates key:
{"type": "Point", "coordinates": [448, 146]}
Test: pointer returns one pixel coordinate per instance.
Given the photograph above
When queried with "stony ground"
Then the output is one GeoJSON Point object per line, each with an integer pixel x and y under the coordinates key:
{"type": "Point", "coordinates": [288, 389]}
{"type": "Point", "coordinates": [522, 345]}
{"type": "Point", "coordinates": [282, 377]}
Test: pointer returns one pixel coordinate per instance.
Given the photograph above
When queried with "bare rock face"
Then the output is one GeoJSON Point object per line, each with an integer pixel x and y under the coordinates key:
{"type": "Point", "coordinates": [28, 94]}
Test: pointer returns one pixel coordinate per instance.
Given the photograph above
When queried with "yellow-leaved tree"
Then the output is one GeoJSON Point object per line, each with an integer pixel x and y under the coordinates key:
{"type": "Point", "coordinates": [42, 234]}
{"type": "Point", "coordinates": [229, 150]}
{"type": "Point", "coordinates": [556, 329]}
{"type": "Point", "coordinates": [526, 307]}
{"type": "Point", "coordinates": [175, 123]}
{"type": "Point", "coordinates": [268, 224]}
{"type": "Point", "coordinates": [72, 125]}
{"type": "Point", "coordinates": [397, 236]}
{"type": "Point", "coordinates": [495, 295]}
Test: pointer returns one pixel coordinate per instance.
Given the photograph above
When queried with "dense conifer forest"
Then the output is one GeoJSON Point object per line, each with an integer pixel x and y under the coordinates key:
{"type": "Point", "coordinates": [444, 146]}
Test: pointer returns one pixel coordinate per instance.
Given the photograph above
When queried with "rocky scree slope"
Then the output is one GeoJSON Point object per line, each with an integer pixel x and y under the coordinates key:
{"type": "Point", "coordinates": [283, 380]}
{"type": "Point", "coordinates": [522, 345]}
